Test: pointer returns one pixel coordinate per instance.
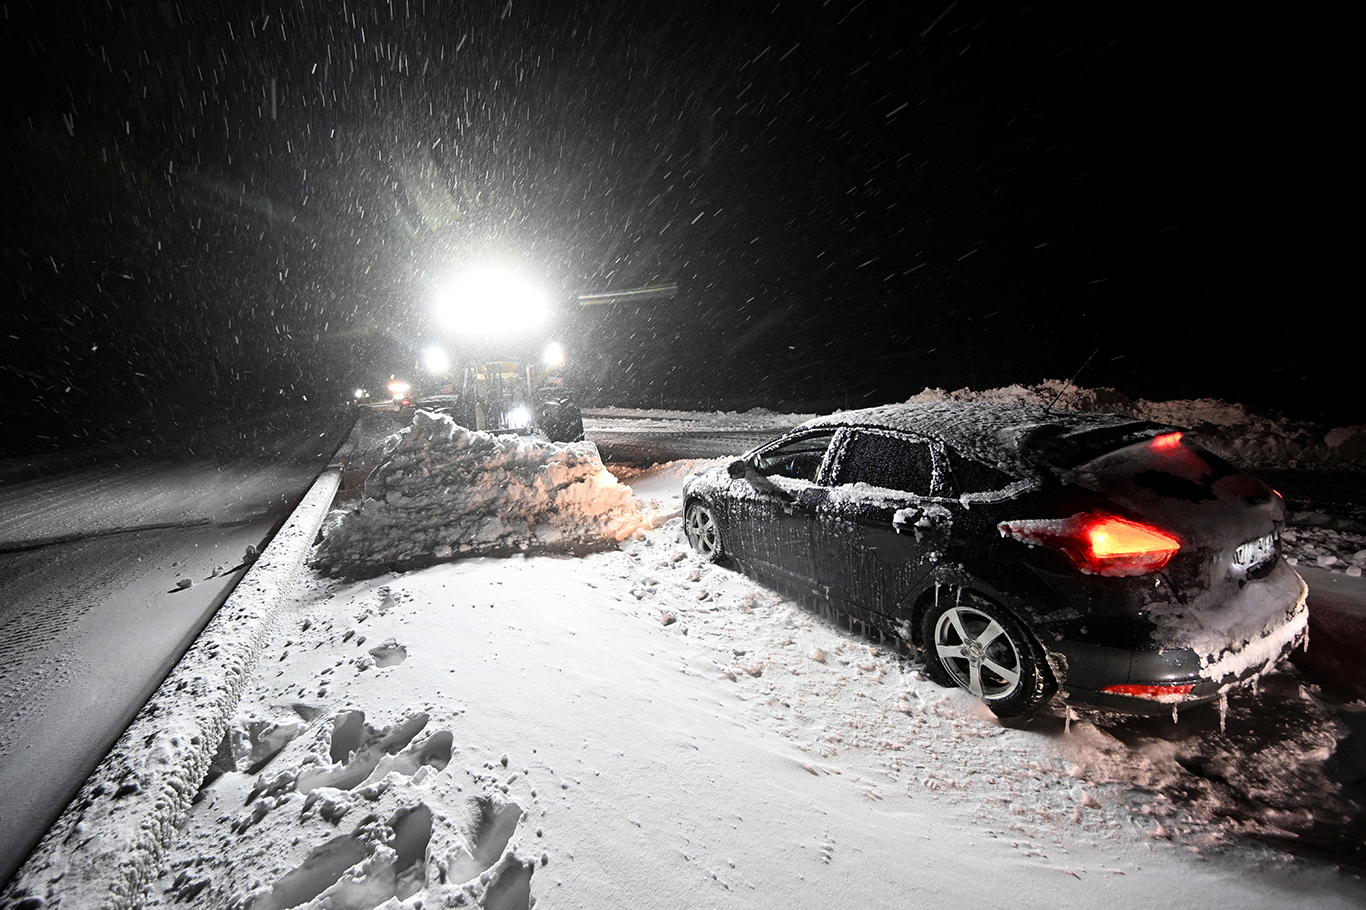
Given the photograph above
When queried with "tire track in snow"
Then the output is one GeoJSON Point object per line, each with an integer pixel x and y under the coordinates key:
{"type": "Point", "coordinates": [40, 639]}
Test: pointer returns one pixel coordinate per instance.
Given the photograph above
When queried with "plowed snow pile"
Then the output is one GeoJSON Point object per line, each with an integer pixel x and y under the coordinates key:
{"type": "Point", "coordinates": [443, 492]}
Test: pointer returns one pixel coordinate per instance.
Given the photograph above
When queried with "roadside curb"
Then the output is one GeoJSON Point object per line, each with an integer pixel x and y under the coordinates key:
{"type": "Point", "coordinates": [108, 843]}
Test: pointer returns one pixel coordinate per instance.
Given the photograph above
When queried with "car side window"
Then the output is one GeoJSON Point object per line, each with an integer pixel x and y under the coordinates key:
{"type": "Point", "coordinates": [799, 459]}
{"type": "Point", "coordinates": [972, 476]}
{"type": "Point", "coordinates": [887, 461]}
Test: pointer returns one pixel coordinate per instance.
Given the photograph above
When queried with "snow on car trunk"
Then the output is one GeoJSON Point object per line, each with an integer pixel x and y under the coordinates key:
{"type": "Point", "coordinates": [443, 492]}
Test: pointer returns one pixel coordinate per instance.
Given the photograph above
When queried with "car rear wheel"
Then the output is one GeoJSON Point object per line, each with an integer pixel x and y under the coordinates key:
{"type": "Point", "coordinates": [699, 523]}
{"type": "Point", "coordinates": [976, 645]}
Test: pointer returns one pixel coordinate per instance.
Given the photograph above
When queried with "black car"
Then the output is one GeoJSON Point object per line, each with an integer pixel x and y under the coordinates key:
{"type": "Point", "coordinates": [1023, 550]}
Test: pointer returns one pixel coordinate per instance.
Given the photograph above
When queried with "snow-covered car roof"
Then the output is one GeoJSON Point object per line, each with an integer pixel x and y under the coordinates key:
{"type": "Point", "coordinates": [1000, 433]}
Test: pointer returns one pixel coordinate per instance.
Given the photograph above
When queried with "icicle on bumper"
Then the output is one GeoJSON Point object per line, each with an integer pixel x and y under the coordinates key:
{"type": "Point", "coordinates": [444, 492]}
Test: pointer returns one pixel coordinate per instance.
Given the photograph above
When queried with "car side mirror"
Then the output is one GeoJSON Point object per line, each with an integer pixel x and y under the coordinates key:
{"type": "Point", "coordinates": [743, 469]}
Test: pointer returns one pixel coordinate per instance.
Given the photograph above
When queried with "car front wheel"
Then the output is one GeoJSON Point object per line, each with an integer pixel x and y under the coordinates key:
{"type": "Point", "coordinates": [699, 523]}
{"type": "Point", "coordinates": [974, 644]}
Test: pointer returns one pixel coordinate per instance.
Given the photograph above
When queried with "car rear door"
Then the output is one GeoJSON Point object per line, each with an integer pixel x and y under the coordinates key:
{"type": "Point", "coordinates": [879, 479]}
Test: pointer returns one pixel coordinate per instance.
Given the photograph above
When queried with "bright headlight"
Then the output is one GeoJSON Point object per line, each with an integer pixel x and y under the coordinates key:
{"type": "Point", "coordinates": [436, 360]}
{"type": "Point", "coordinates": [490, 303]}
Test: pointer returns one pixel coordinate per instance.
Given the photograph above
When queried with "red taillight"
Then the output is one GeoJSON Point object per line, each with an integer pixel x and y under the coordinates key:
{"type": "Point", "coordinates": [1115, 538]}
{"type": "Point", "coordinates": [1167, 695]}
{"type": "Point", "coordinates": [1099, 544]}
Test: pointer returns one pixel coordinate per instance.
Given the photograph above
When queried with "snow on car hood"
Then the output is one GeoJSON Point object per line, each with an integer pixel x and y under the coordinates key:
{"type": "Point", "coordinates": [443, 491]}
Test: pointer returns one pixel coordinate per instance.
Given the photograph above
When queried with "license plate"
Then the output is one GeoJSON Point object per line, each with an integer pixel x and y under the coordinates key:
{"type": "Point", "coordinates": [1255, 553]}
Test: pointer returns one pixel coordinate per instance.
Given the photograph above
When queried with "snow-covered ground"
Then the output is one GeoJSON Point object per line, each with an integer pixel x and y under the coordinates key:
{"type": "Point", "coordinates": [634, 727]}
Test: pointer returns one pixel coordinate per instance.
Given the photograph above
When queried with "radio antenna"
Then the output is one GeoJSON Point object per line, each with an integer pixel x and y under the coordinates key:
{"type": "Point", "coordinates": [1070, 381]}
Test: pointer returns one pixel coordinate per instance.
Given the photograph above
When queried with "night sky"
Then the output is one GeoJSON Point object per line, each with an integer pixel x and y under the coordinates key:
{"type": "Point", "coordinates": [225, 212]}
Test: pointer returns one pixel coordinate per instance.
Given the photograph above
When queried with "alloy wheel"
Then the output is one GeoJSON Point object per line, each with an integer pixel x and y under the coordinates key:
{"type": "Point", "coordinates": [703, 534]}
{"type": "Point", "coordinates": [977, 652]}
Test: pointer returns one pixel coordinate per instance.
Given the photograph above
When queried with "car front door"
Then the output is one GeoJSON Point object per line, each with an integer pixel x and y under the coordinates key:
{"type": "Point", "coordinates": [773, 505]}
{"type": "Point", "coordinates": [881, 522]}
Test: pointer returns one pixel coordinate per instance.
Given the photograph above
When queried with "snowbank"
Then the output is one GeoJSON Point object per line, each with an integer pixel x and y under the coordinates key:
{"type": "Point", "coordinates": [443, 492]}
{"type": "Point", "coordinates": [509, 733]}
{"type": "Point", "coordinates": [642, 728]}
{"type": "Point", "coordinates": [1229, 430]}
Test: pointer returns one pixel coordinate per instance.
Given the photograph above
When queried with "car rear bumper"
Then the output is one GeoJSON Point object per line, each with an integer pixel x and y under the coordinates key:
{"type": "Point", "coordinates": [1111, 677]}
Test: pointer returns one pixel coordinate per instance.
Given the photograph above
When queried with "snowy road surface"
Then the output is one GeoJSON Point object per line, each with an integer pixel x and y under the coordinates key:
{"type": "Point", "coordinates": [630, 438]}
{"type": "Point", "coordinates": [637, 446]}
{"type": "Point", "coordinates": [106, 576]}
{"type": "Point", "coordinates": [640, 728]}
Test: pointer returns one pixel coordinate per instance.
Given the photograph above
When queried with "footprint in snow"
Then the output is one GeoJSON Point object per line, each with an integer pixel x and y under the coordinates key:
{"type": "Point", "coordinates": [359, 752]}
{"type": "Point", "coordinates": [399, 872]}
{"type": "Point", "coordinates": [398, 858]}
{"type": "Point", "coordinates": [389, 654]}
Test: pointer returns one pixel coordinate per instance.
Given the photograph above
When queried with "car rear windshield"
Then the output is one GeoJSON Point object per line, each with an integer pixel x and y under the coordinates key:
{"type": "Point", "coordinates": [1175, 470]}
{"type": "Point", "coordinates": [1054, 446]}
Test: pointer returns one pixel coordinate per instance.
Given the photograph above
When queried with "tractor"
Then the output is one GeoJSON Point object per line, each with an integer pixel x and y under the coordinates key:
{"type": "Point", "coordinates": [514, 396]}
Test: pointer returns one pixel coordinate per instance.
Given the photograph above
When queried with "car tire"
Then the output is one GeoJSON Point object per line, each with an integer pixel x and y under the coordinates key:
{"type": "Point", "coordinates": [703, 532]}
{"type": "Point", "coordinates": [974, 644]}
